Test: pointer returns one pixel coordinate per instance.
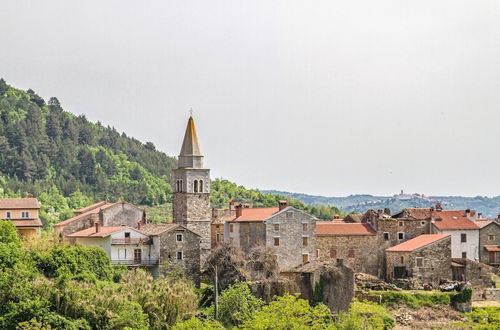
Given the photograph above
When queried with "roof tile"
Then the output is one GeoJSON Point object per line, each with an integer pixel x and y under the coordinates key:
{"type": "Point", "coordinates": [332, 228]}
{"type": "Point", "coordinates": [417, 242]}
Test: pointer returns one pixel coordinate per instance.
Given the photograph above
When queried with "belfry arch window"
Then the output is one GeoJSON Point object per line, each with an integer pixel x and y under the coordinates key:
{"type": "Point", "coordinates": [180, 185]}
{"type": "Point", "coordinates": [201, 185]}
{"type": "Point", "coordinates": [195, 186]}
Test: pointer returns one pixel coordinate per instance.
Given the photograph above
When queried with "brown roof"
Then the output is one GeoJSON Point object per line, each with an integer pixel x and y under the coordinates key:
{"type": "Point", "coordinates": [27, 223]}
{"type": "Point", "coordinates": [19, 203]}
{"type": "Point", "coordinates": [90, 207]}
{"type": "Point", "coordinates": [452, 219]}
{"type": "Point", "coordinates": [153, 229]}
{"type": "Point", "coordinates": [482, 222]}
{"type": "Point", "coordinates": [330, 228]}
{"type": "Point", "coordinates": [492, 248]}
{"type": "Point", "coordinates": [254, 214]}
{"type": "Point", "coordinates": [103, 232]}
{"type": "Point", "coordinates": [417, 242]}
{"type": "Point", "coordinates": [92, 211]}
{"type": "Point", "coordinates": [418, 213]}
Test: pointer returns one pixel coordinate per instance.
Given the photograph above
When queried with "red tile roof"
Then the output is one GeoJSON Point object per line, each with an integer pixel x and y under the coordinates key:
{"type": "Point", "coordinates": [482, 222]}
{"type": "Point", "coordinates": [91, 207]}
{"type": "Point", "coordinates": [92, 211]}
{"type": "Point", "coordinates": [103, 232]}
{"type": "Point", "coordinates": [330, 228]}
{"type": "Point", "coordinates": [19, 203]}
{"type": "Point", "coordinates": [492, 248]}
{"type": "Point", "coordinates": [255, 214]}
{"type": "Point", "coordinates": [417, 242]}
{"type": "Point", "coordinates": [451, 220]}
{"type": "Point", "coordinates": [27, 223]}
{"type": "Point", "coordinates": [418, 213]}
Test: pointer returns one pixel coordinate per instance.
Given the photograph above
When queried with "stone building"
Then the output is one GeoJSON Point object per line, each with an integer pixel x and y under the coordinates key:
{"type": "Point", "coordinates": [177, 247]}
{"type": "Point", "coordinates": [217, 224]}
{"type": "Point", "coordinates": [478, 274]}
{"type": "Point", "coordinates": [350, 244]}
{"type": "Point", "coordinates": [426, 258]}
{"type": "Point", "coordinates": [23, 214]}
{"type": "Point", "coordinates": [107, 214]}
{"type": "Point", "coordinates": [489, 241]}
{"type": "Point", "coordinates": [191, 184]}
{"type": "Point", "coordinates": [290, 232]}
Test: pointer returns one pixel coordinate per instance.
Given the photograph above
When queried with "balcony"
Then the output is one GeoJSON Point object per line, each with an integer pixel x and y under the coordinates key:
{"type": "Point", "coordinates": [131, 241]}
{"type": "Point", "coordinates": [135, 262]}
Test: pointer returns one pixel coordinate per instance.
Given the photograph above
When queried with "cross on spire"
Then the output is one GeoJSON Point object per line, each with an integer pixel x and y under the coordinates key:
{"type": "Point", "coordinates": [191, 111]}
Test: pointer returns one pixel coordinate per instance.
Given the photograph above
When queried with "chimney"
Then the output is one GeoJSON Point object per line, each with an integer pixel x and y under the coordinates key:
{"type": "Point", "coordinates": [29, 195]}
{"type": "Point", "coordinates": [387, 211]}
{"type": "Point", "coordinates": [139, 225]}
{"type": "Point", "coordinates": [439, 208]}
{"type": "Point", "coordinates": [97, 227]}
{"type": "Point", "coordinates": [479, 215]}
{"type": "Point", "coordinates": [239, 210]}
{"type": "Point", "coordinates": [246, 206]}
{"type": "Point", "coordinates": [467, 213]}
{"type": "Point", "coordinates": [282, 205]}
{"type": "Point", "coordinates": [231, 205]}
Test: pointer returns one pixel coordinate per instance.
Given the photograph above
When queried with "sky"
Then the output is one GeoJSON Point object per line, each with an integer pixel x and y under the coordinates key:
{"type": "Point", "coordinates": [322, 97]}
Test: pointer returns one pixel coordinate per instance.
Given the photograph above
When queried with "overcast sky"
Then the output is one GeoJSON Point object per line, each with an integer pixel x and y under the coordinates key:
{"type": "Point", "coordinates": [321, 97]}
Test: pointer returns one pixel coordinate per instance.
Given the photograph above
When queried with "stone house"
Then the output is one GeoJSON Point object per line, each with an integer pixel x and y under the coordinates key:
{"type": "Point", "coordinates": [478, 274]}
{"type": "Point", "coordinates": [107, 214]}
{"type": "Point", "coordinates": [217, 224]}
{"type": "Point", "coordinates": [489, 241]}
{"type": "Point", "coordinates": [288, 231]}
{"type": "Point", "coordinates": [178, 248]}
{"type": "Point", "coordinates": [350, 244]}
{"type": "Point", "coordinates": [23, 214]}
{"type": "Point", "coordinates": [426, 258]}
{"type": "Point", "coordinates": [124, 245]}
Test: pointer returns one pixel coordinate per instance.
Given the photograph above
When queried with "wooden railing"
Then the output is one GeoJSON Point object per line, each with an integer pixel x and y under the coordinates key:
{"type": "Point", "coordinates": [131, 241]}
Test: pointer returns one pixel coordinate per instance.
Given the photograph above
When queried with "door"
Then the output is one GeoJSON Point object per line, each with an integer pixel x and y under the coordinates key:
{"type": "Point", "coordinates": [137, 256]}
{"type": "Point", "coordinates": [399, 272]}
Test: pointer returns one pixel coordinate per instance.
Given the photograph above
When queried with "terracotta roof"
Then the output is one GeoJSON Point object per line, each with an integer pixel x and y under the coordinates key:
{"type": "Point", "coordinates": [338, 221]}
{"type": "Point", "coordinates": [92, 211]}
{"type": "Point", "coordinates": [492, 248]}
{"type": "Point", "coordinates": [19, 203]}
{"type": "Point", "coordinates": [27, 223]}
{"type": "Point", "coordinates": [254, 214]}
{"type": "Point", "coordinates": [417, 242]}
{"type": "Point", "coordinates": [103, 232]}
{"type": "Point", "coordinates": [330, 228]}
{"type": "Point", "coordinates": [452, 219]}
{"type": "Point", "coordinates": [90, 207]}
{"type": "Point", "coordinates": [482, 222]}
{"type": "Point", "coordinates": [418, 213]}
{"type": "Point", "coordinates": [153, 229]}
{"type": "Point", "coordinates": [190, 145]}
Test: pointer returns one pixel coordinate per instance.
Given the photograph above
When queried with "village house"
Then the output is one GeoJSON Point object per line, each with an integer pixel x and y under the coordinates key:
{"type": "Point", "coordinates": [489, 241]}
{"type": "Point", "coordinates": [288, 231]}
{"type": "Point", "coordinates": [426, 258]}
{"type": "Point", "coordinates": [23, 214]}
{"type": "Point", "coordinates": [350, 244]}
{"type": "Point", "coordinates": [124, 245]}
{"type": "Point", "coordinates": [107, 214]}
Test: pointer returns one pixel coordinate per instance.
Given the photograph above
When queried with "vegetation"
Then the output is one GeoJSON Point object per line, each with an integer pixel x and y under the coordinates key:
{"type": "Point", "coordinates": [364, 315]}
{"type": "Point", "coordinates": [413, 299]}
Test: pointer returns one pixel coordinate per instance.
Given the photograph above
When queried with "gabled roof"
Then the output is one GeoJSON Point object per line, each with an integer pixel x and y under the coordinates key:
{"type": "Point", "coordinates": [19, 203]}
{"type": "Point", "coordinates": [415, 212]}
{"type": "Point", "coordinates": [452, 220]}
{"type": "Point", "coordinates": [91, 207]}
{"type": "Point", "coordinates": [190, 145]}
{"type": "Point", "coordinates": [82, 215]}
{"type": "Point", "coordinates": [417, 242]}
{"type": "Point", "coordinates": [103, 232]}
{"type": "Point", "coordinates": [27, 223]}
{"type": "Point", "coordinates": [492, 248]}
{"type": "Point", "coordinates": [154, 230]}
{"type": "Point", "coordinates": [481, 223]}
{"type": "Point", "coordinates": [254, 214]}
{"type": "Point", "coordinates": [343, 229]}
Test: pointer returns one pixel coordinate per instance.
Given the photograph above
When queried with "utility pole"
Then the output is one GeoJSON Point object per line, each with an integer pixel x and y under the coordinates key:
{"type": "Point", "coordinates": [216, 310]}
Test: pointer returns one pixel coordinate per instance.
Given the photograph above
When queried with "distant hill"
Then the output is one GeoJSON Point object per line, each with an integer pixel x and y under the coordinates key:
{"type": "Point", "coordinates": [489, 206]}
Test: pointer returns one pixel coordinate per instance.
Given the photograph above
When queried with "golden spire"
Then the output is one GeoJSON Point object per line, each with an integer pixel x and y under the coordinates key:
{"type": "Point", "coordinates": [190, 145]}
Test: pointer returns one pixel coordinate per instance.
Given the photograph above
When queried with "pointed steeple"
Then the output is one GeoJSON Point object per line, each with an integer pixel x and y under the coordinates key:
{"type": "Point", "coordinates": [190, 156]}
{"type": "Point", "coordinates": [190, 145]}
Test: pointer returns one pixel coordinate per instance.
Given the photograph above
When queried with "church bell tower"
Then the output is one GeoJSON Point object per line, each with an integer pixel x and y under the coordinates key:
{"type": "Point", "coordinates": [191, 185]}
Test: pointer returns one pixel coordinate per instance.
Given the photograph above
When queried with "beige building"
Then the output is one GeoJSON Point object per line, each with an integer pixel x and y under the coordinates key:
{"type": "Point", "coordinates": [23, 213]}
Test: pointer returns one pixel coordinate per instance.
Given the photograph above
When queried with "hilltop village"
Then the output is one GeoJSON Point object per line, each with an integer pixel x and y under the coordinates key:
{"type": "Point", "coordinates": [414, 248]}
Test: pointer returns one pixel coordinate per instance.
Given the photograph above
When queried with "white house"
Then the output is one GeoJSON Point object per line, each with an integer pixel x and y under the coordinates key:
{"type": "Point", "coordinates": [124, 245]}
{"type": "Point", "coordinates": [462, 229]}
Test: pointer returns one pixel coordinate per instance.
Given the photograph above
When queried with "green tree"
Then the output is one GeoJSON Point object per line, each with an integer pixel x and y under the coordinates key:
{"type": "Point", "coordinates": [237, 304]}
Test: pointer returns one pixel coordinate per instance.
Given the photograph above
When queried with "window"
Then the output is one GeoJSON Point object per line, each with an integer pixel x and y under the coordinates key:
{"type": "Point", "coordinates": [420, 262]}
{"type": "Point", "coordinates": [304, 227]}
{"type": "Point", "coordinates": [137, 256]}
{"type": "Point", "coordinates": [464, 255]}
{"type": "Point", "coordinates": [350, 253]}
{"type": "Point", "coordinates": [276, 241]}
{"type": "Point", "coordinates": [127, 235]}
{"type": "Point", "coordinates": [201, 185]}
{"type": "Point", "coordinates": [401, 236]}
{"type": "Point", "coordinates": [333, 253]}
{"type": "Point", "coordinates": [305, 258]}
{"type": "Point", "coordinates": [25, 214]}
{"type": "Point", "coordinates": [402, 259]}
{"type": "Point", "coordinates": [317, 253]}
{"type": "Point", "coordinates": [386, 236]}
{"type": "Point", "coordinates": [401, 224]}
{"type": "Point", "coordinates": [218, 238]}
{"type": "Point", "coordinates": [178, 237]}
{"type": "Point", "coordinates": [463, 238]}
{"type": "Point", "coordinates": [8, 215]}
{"type": "Point", "coordinates": [195, 185]}
{"type": "Point", "coordinates": [231, 227]}
{"type": "Point", "coordinates": [180, 256]}
{"type": "Point", "coordinates": [276, 227]}
{"type": "Point", "coordinates": [289, 215]}
{"type": "Point", "coordinates": [491, 237]}
{"type": "Point", "coordinates": [422, 223]}
{"type": "Point", "coordinates": [305, 241]}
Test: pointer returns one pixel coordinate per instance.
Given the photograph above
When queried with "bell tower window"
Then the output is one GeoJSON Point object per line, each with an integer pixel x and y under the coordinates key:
{"type": "Point", "coordinates": [195, 186]}
{"type": "Point", "coordinates": [201, 185]}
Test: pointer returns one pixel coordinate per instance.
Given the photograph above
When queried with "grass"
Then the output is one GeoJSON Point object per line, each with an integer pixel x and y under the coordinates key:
{"type": "Point", "coordinates": [414, 299]}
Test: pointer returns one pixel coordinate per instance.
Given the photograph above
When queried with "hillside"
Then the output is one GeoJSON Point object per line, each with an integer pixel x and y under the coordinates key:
{"type": "Point", "coordinates": [489, 206]}
{"type": "Point", "coordinates": [68, 162]}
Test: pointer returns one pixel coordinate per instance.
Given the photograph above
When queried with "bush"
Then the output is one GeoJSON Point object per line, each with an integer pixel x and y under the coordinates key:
{"type": "Point", "coordinates": [414, 300]}
{"type": "Point", "coordinates": [484, 315]}
{"type": "Point", "coordinates": [195, 323]}
{"type": "Point", "coordinates": [363, 315]}
{"type": "Point", "coordinates": [237, 304]}
{"type": "Point", "coordinates": [462, 297]}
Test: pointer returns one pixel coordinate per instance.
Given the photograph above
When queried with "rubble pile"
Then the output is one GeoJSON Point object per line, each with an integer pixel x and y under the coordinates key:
{"type": "Point", "coordinates": [370, 282]}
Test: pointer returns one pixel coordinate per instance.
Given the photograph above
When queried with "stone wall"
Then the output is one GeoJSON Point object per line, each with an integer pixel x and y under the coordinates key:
{"type": "Point", "coordinates": [485, 233]}
{"type": "Point", "coordinates": [81, 223]}
{"type": "Point", "coordinates": [364, 260]}
{"type": "Point", "coordinates": [252, 235]}
{"type": "Point", "coordinates": [477, 273]}
{"type": "Point", "coordinates": [436, 262]}
{"type": "Point", "coordinates": [122, 214]}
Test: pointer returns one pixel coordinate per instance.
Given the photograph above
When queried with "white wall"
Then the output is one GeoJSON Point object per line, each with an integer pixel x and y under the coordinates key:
{"type": "Point", "coordinates": [235, 235]}
{"type": "Point", "coordinates": [457, 247]}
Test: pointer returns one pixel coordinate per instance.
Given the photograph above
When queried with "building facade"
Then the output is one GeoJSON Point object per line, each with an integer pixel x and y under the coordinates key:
{"type": "Point", "coordinates": [489, 242]}
{"type": "Point", "coordinates": [23, 214]}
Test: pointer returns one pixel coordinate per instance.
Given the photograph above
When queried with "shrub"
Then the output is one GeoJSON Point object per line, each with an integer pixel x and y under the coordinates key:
{"type": "Point", "coordinates": [462, 297]}
{"type": "Point", "coordinates": [236, 304]}
{"type": "Point", "coordinates": [415, 300]}
{"type": "Point", "coordinates": [364, 315]}
{"type": "Point", "coordinates": [195, 323]}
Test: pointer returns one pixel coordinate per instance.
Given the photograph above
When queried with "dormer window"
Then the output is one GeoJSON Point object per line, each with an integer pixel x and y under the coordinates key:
{"type": "Point", "coordinates": [25, 214]}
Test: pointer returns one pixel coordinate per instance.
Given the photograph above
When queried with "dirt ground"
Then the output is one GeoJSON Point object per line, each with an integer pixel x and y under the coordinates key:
{"type": "Point", "coordinates": [437, 317]}
{"type": "Point", "coordinates": [486, 303]}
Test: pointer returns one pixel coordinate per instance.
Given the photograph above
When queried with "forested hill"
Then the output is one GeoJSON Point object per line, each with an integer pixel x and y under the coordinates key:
{"type": "Point", "coordinates": [68, 162]}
